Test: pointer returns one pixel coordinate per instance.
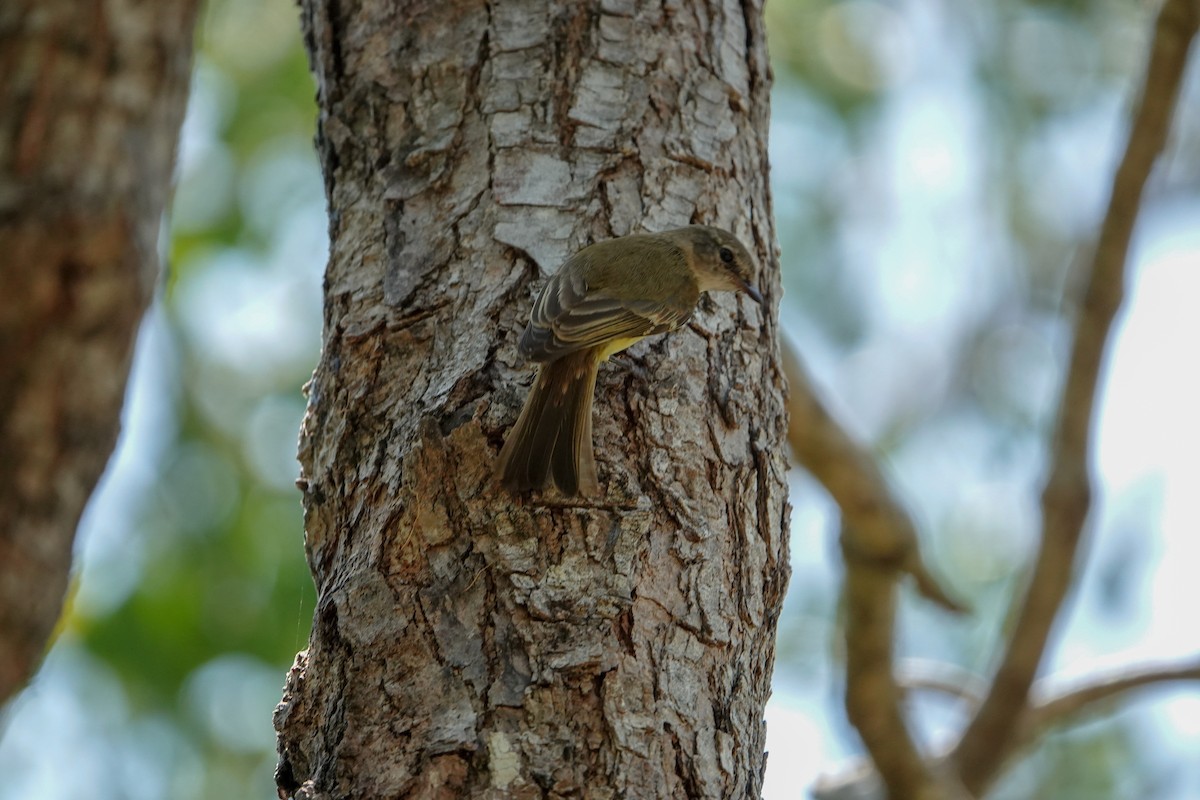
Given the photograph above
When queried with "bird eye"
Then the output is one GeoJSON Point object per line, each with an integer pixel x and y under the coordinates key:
{"type": "Point", "coordinates": [726, 255]}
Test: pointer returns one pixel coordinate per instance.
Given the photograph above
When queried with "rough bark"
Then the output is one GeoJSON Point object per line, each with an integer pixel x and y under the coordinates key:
{"type": "Point", "coordinates": [91, 99]}
{"type": "Point", "coordinates": [467, 642]}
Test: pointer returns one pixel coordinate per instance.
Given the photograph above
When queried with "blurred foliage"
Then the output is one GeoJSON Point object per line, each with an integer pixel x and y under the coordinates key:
{"type": "Point", "coordinates": [936, 167]}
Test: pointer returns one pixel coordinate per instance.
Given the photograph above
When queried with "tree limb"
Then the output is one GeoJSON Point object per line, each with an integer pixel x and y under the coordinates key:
{"type": "Point", "coordinates": [1067, 492]}
{"type": "Point", "coordinates": [91, 99]}
{"type": "Point", "coordinates": [879, 542]}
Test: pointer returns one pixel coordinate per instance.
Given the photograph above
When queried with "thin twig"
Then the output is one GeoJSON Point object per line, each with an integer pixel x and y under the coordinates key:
{"type": "Point", "coordinates": [1096, 692]}
{"type": "Point", "coordinates": [948, 679]}
{"type": "Point", "coordinates": [879, 543]}
{"type": "Point", "coordinates": [1067, 493]}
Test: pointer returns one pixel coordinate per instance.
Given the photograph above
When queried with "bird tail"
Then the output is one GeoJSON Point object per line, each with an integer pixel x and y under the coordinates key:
{"type": "Point", "coordinates": [553, 435]}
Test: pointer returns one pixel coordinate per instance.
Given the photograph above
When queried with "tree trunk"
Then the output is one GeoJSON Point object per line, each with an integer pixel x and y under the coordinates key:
{"type": "Point", "coordinates": [472, 643]}
{"type": "Point", "coordinates": [91, 99]}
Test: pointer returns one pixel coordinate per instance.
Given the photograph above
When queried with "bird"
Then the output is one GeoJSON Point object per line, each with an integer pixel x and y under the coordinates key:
{"type": "Point", "coordinates": [602, 300]}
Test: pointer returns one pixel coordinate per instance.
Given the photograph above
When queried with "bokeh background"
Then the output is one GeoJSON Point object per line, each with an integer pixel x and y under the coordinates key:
{"type": "Point", "coordinates": [938, 170]}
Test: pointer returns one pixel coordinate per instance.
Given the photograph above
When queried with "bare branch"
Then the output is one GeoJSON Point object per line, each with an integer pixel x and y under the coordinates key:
{"type": "Point", "coordinates": [1095, 692]}
{"type": "Point", "coordinates": [859, 781]}
{"type": "Point", "coordinates": [1052, 704]}
{"type": "Point", "coordinates": [1066, 496]}
{"type": "Point", "coordinates": [879, 542]}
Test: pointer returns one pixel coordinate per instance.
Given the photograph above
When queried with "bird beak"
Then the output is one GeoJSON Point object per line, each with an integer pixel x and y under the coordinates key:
{"type": "Point", "coordinates": [752, 290]}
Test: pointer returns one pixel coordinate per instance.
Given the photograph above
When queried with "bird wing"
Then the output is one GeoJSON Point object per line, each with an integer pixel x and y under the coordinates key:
{"type": "Point", "coordinates": [569, 315]}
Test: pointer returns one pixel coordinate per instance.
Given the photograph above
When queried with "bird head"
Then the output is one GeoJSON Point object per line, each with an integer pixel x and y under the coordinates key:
{"type": "Point", "coordinates": [721, 261]}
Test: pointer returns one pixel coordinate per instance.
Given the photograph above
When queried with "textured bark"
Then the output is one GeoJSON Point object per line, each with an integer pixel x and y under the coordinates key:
{"type": "Point", "coordinates": [91, 99]}
{"type": "Point", "coordinates": [467, 642]}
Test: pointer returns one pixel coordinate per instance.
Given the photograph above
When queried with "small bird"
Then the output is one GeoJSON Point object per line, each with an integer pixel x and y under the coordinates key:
{"type": "Point", "coordinates": [603, 299]}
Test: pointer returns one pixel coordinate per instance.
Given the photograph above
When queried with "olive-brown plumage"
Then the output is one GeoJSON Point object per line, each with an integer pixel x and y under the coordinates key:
{"type": "Point", "coordinates": [603, 299]}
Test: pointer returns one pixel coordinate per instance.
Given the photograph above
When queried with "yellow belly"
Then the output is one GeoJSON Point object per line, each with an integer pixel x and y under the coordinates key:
{"type": "Point", "coordinates": [616, 346]}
